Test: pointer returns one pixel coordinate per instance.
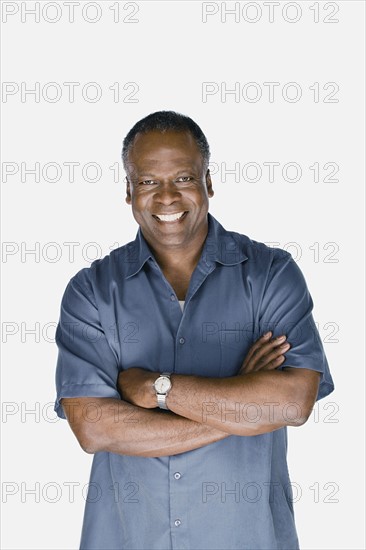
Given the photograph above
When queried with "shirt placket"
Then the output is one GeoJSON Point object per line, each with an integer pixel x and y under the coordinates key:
{"type": "Point", "coordinates": [177, 465]}
{"type": "Point", "coordinates": [178, 472]}
{"type": "Point", "coordinates": [178, 509]}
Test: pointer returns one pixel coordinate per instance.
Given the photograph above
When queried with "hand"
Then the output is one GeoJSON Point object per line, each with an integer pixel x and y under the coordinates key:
{"type": "Point", "coordinates": [136, 385]}
{"type": "Point", "coordinates": [265, 354]}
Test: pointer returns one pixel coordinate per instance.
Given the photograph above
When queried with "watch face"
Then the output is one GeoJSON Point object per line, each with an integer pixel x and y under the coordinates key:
{"type": "Point", "coordinates": [162, 384]}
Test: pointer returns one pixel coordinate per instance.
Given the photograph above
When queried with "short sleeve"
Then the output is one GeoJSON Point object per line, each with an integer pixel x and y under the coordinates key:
{"type": "Point", "coordinates": [286, 308]}
{"type": "Point", "coordinates": [86, 364]}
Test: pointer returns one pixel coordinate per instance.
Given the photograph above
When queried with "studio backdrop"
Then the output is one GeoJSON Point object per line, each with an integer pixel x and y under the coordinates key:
{"type": "Point", "coordinates": [278, 89]}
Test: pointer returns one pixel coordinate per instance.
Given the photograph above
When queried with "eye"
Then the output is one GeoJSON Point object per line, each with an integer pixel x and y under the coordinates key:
{"type": "Point", "coordinates": [147, 182]}
{"type": "Point", "coordinates": [184, 179]}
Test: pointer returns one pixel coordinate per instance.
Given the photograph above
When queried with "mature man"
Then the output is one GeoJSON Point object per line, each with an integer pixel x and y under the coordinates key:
{"type": "Point", "coordinates": [183, 357]}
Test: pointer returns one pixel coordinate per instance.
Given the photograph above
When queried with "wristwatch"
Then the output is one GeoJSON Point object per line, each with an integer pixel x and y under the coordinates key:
{"type": "Point", "coordinates": [162, 387]}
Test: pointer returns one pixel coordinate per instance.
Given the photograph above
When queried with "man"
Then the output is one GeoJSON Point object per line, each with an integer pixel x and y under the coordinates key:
{"type": "Point", "coordinates": [183, 357]}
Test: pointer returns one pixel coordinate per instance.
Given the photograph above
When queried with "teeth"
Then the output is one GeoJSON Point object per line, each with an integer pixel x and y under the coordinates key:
{"type": "Point", "coordinates": [170, 217]}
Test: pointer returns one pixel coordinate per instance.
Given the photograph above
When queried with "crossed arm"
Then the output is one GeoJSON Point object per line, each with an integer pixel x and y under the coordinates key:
{"type": "Point", "coordinates": [257, 400]}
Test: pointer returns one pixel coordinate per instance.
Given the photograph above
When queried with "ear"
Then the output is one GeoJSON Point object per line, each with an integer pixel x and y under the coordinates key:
{"type": "Point", "coordinates": [210, 191]}
{"type": "Point", "coordinates": [128, 192]}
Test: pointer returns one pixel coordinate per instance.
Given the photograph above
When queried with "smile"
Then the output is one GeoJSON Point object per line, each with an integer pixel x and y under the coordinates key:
{"type": "Point", "coordinates": [170, 217]}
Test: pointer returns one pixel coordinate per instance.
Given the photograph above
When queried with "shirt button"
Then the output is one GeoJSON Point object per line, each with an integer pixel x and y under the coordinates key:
{"type": "Point", "coordinates": [177, 475]}
{"type": "Point", "coordinates": [172, 297]}
{"type": "Point", "coordinates": [182, 340]}
{"type": "Point", "coordinates": [177, 522]}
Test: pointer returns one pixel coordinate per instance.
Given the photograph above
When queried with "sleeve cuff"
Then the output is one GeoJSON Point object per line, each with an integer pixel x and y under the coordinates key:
{"type": "Point", "coordinates": [83, 390]}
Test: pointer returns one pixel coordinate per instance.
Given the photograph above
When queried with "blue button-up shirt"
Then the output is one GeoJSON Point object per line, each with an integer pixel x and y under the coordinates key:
{"type": "Point", "coordinates": [121, 313]}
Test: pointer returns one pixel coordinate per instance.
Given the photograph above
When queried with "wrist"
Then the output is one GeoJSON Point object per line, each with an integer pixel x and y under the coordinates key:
{"type": "Point", "coordinates": [149, 390]}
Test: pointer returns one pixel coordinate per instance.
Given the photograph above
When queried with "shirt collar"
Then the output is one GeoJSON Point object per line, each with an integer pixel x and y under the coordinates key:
{"type": "Point", "coordinates": [220, 246]}
{"type": "Point", "coordinates": [224, 247]}
{"type": "Point", "coordinates": [137, 253]}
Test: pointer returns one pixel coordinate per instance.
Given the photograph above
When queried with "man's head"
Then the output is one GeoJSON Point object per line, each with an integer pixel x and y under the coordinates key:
{"type": "Point", "coordinates": [166, 121]}
{"type": "Point", "coordinates": [166, 159]}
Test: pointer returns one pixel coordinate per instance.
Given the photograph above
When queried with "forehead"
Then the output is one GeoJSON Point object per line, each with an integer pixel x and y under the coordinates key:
{"type": "Point", "coordinates": [169, 148]}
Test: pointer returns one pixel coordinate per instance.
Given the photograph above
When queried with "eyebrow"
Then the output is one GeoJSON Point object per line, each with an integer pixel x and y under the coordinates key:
{"type": "Point", "coordinates": [149, 174]}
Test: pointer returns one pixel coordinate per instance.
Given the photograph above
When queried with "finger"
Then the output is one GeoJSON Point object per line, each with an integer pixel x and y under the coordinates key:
{"type": "Point", "coordinates": [257, 344]}
{"type": "Point", "coordinates": [260, 349]}
{"type": "Point", "coordinates": [273, 354]}
{"type": "Point", "coordinates": [264, 356]}
{"type": "Point", "coordinates": [272, 360]}
{"type": "Point", "coordinates": [274, 364]}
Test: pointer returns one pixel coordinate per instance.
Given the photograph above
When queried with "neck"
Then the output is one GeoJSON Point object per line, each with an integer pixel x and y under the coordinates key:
{"type": "Point", "coordinates": [181, 258]}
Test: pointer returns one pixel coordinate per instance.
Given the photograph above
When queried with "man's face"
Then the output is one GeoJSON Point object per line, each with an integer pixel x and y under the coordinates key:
{"type": "Point", "coordinates": [168, 188]}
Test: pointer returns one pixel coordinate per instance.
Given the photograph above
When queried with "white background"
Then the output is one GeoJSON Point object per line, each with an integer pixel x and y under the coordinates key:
{"type": "Point", "coordinates": [169, 53]}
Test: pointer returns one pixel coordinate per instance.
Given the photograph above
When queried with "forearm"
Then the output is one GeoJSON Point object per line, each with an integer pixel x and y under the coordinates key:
{"type": "Point", "coordinates": [259, 399]}
{"type": "Point", "coordinates": [126, 429]}
{"type": "Point", "coordinates": [251, 404]}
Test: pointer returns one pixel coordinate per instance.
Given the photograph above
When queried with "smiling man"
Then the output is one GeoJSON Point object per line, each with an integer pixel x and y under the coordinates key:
{"type": "Point", "coordinates": [183, 357]}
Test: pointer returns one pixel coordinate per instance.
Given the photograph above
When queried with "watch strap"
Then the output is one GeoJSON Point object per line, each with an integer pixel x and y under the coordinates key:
{"type": "Point", "coordinates": [161, 397]}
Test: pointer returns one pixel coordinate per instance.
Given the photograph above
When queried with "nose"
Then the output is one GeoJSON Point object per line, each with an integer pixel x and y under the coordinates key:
{"type": "Point", "coordinates": [167, 193]}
